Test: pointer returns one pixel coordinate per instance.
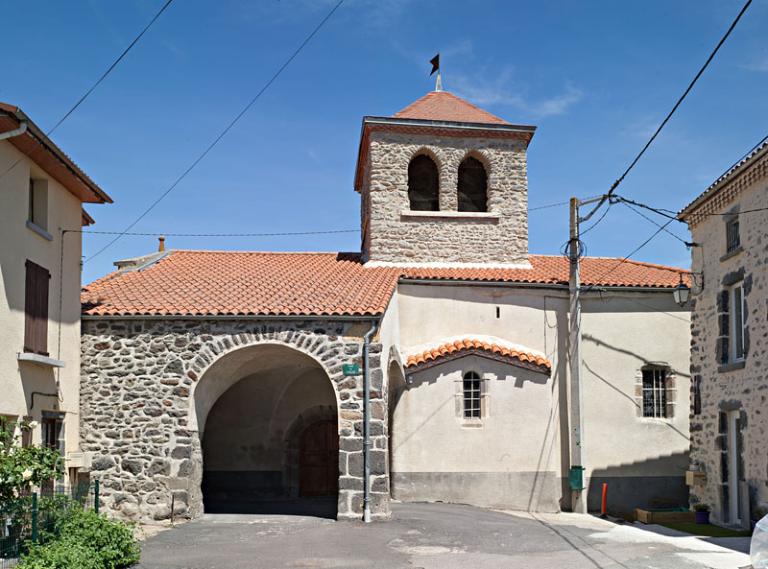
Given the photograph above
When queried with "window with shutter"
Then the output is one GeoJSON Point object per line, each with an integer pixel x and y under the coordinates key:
{"type": "Point", "coordinates": [36, 309]}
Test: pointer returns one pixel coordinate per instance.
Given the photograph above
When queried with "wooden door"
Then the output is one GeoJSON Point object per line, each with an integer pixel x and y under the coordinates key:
{"type": "Point", "coordinates": [319, 460]}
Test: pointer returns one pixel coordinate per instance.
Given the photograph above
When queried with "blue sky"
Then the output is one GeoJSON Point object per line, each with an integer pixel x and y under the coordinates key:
{"type": "Point", "coordinates": [595, 77]}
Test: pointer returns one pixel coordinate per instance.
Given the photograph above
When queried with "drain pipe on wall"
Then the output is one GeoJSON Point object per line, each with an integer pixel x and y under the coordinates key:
{"type": "Point", "coordinates": [367, 422]}
{"type": "Point", "coordinates": [16, 132]}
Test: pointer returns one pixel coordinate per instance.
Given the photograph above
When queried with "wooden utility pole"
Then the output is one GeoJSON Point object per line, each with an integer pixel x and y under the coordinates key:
{"type": "Point", "coordinates": [578, 495]}
{"type": "Point", "coordinates": [577, 470]}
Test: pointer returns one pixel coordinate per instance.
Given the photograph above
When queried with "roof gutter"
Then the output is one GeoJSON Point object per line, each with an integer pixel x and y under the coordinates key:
{"type": "Point", "coordinates": [42, 138]}
{"type": "Point", "coordinates": [16, 132]}
{"type": "Point", "coordinates": [276, 317]}
{"type": "Point", "coordinates": [552, 286]}
{"type": "Point", "coordinates": [728, 176]}
{"type": "Point", "coordinates": [455, 125]}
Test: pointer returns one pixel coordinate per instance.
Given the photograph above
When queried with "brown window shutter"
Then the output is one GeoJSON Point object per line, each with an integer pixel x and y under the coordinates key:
{"type": "Point", "coordinates": [36, 309]}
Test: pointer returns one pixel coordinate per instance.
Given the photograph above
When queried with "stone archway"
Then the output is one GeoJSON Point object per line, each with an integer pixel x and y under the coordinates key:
{"type": "Point", "coordinates": [254, 407]}
{"type": "Point", "coordinates": [155, 404]}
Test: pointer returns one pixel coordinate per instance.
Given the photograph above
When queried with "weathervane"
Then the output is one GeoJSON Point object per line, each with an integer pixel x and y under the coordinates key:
{"type": "Point", "coordinates": [435, 61]}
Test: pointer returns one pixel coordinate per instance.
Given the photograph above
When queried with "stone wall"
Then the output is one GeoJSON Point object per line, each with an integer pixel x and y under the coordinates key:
{"type": "Point", "coordinates": [393, 234]}
{"type": "Point", "coordinates": [735, 387]}
{"type": "Point", "coordinates": [138, 385]}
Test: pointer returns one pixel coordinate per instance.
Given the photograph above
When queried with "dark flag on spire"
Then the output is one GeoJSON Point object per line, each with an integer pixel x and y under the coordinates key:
{"type": "Point", "coordinates": [435, 61]}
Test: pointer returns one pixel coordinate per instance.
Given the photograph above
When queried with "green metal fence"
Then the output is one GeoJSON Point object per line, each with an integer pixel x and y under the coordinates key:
{"type": "Point", "coordinates": [34, 518]}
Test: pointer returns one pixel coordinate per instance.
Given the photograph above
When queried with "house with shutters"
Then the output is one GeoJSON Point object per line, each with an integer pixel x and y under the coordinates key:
{"type": "Point", "coordinates": [729, 425]}
{"type": "Point", "coordinates": [42, 192]}
{"type": "Point", "coordinates": [431, 365]}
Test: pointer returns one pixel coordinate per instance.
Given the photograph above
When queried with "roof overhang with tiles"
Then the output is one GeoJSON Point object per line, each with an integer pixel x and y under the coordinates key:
{"type": "Point", "coordinates": [36, 145]}
{"type": "Point", "coordinates": [728, 186]}
{"type": "Point", "coordinates": [439, 128]}
{"type": "Point", "coordinates": [237, 284]}
{"type": "Point", "coordinates": [439, 113]}
{"type": "Point", "coordinates": [488, 347]}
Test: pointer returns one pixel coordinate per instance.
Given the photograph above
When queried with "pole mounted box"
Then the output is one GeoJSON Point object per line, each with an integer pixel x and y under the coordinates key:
{"type": "Point", "coordinates": [576, 478]}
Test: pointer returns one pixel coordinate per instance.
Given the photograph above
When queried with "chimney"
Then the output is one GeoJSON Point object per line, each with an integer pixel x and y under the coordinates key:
{"type": "Point", "coordinates": [161, 244]}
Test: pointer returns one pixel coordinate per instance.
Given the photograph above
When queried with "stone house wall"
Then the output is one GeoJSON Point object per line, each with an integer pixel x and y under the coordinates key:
{"type": "Point", "coordinates": [722, 387]}
{"type": "Point", "coordinates": [394, 234]}
{"type": "Point", "coordinates": [138, 385]}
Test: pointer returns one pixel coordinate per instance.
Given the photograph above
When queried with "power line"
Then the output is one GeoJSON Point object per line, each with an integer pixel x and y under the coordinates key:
{"type": "Point", "coordinates": [620, 179]}
{"type": "Point", "coordinates": [669, 214]}
{"type": "Point", "coordinates": [599, 219]}
{"type": "Point", "coordinates": [98, 81]}
{"type": "Point", "coordinates": [223, 132]}
{"type": "Point", "coordinates": [682, 97]}
{"type": "Point", "coordinates": [110, 68]}
{"type": "Point", "coordinates": [558, 204]}
{"type": "Point", "coordinates": [657, 224]}
{"type": "Point", "coordinates": [627, 257]}
{"type": "Point", "coordinates": [277, 234]}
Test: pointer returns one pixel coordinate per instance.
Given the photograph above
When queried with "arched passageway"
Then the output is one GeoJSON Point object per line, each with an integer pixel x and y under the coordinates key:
{"type": "Point", "coordinates": [268, 421]}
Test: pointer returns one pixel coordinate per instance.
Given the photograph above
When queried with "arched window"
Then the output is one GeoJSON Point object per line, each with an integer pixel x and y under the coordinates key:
{"type": "Point", "coordinates": [423, 184]}
{"type": "Point", "coordinates": [473, 185]}
{"type": "Point", "coordinates": [471, 392]}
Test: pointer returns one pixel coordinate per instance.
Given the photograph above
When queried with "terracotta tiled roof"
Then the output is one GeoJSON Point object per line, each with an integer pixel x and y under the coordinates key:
{"type": "Point", "coordinates": [554, 269]}
{"type": "Point", "coordinates": [489, 346]}
{"type": "Point", "coordinates": [444, 106]}
{"type": "Point", "coordinates": [244, 283]}
{"type": "Point", "coordinates": [256, 283]}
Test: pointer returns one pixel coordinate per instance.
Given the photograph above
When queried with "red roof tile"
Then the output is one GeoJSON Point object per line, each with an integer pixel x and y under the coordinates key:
{"type": "Point", "coordinates": [444, 106]}
{"type": "Point", "coordinates": [184, 283]}
{"type": "Point", "coordinates": [490, 346]}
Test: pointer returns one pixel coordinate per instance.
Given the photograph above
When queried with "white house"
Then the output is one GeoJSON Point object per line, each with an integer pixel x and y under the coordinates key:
{"type": "Point", "coordinates": [42, 192]}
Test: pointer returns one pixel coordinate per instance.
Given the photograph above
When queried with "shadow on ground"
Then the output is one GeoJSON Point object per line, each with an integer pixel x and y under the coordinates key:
{"type": "Point", "coordinates": [311, 507]}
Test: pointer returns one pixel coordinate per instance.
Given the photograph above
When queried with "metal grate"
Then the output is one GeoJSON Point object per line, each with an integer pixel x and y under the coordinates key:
{"type": "Point", "coordinates": [655, 392]}
{"type": "Point", "coordinates": [471, 395]}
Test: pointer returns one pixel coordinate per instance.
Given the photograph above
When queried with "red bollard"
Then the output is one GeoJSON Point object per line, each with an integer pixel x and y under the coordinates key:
{"type": "Point", "coordinates": [604, 503]}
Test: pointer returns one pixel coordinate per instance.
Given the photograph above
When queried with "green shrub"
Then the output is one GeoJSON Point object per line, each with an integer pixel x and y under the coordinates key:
{"type": "Point", "coordinates": [110, 541]}
{"type": "Point", "coordinates": [61, 554]}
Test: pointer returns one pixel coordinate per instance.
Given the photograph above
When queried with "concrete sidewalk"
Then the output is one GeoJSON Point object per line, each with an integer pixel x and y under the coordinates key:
{"type": "Point", "coordinates": [428, 536]}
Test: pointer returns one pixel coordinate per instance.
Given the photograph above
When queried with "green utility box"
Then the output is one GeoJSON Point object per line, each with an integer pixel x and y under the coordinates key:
{"type": "Point", "coordinates": [576, 477]}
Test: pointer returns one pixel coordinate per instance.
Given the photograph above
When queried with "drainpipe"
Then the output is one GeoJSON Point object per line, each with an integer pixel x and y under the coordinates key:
{"type": "Point", "coordinates": [16, 132]}
{"type": "Point", "coordinates": [367, 422]}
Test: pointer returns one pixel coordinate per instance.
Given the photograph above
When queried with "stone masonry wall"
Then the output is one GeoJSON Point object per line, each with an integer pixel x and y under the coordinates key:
{"type": "Point", "coordinates": [137, 384]}
{"type": "Point", "coordinates": [499, 236]}
{"type": "Point", "coordinates": [726, 388]}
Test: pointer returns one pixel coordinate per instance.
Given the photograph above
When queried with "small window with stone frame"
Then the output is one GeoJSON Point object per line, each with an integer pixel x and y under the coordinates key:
{"type": "Point", "coordinates": [472, 395]}
{"type": "Point", "coordinates": [732, 234]}
{"type": "Point", "coordinates": [655, 391]}
{"type": "Point", "coordinates": [737, 349]}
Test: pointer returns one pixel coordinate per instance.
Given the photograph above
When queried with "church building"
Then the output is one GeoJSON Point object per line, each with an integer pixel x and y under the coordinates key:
{"type": "Point", "coordinates": [432, 365]}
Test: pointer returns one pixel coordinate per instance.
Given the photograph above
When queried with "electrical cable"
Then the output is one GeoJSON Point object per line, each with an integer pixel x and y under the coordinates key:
{"type": "Point", "coordinates": [620, 179]}
{"type": "Point", "coordinates": [641, 214]}
{"type": "Point", "coordinates": [223, 132]}
{"type": "Point", "coordinates": [99, 80]}
{"type": "Point", "coordinates": [110, 68]}
{"type": "Point", "coordinates": [627, 257]}
{"type": "Point", "coordinates": [277, 234]}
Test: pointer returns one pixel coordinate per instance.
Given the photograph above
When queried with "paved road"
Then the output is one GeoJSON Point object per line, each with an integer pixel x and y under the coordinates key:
{"type": "Point", "coordinates": [427, 536]}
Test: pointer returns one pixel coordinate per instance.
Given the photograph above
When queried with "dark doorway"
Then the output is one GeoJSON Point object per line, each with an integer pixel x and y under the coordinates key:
{"type": "Point", "coordinates": [319, 460]}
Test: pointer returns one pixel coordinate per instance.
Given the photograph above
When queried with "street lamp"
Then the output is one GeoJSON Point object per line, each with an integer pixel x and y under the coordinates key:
{"type": "Point", "coordinates": [682, 292]}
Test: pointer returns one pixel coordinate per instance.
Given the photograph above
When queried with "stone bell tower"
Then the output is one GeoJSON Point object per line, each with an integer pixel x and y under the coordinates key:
{"type": "Point", "coordinates": [443, 183]}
